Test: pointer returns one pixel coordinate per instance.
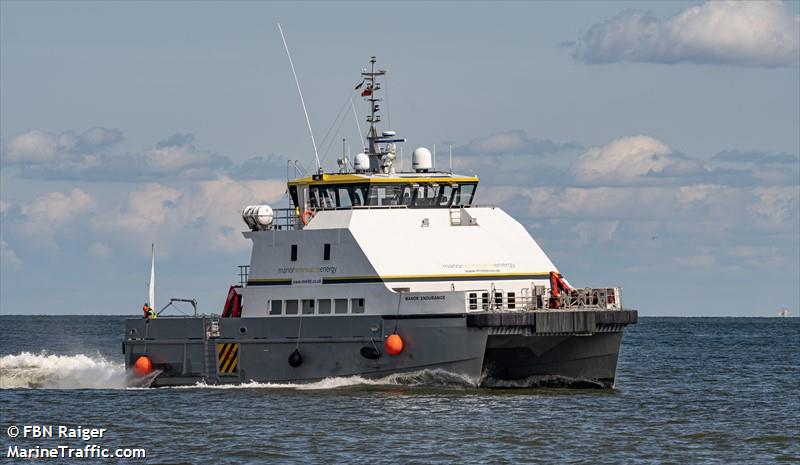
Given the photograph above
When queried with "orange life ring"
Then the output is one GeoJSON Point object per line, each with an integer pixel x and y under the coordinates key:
{"type": "Point", "coordinates": [307, 215]}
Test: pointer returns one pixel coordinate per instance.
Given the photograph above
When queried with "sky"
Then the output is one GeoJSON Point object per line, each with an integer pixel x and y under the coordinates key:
{"type": "Point", "coordinates": [649, 145]}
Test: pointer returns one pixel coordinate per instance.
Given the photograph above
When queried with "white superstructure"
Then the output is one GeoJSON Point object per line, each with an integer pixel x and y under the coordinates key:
{"type": "Point", "coordinates": [376, 241]}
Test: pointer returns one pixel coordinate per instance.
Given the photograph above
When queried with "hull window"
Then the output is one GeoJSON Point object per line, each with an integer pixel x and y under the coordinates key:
{"type": "Point", "coordinates": [358, 305]}
{"type": "Point", "coordinates": [511, 298]}
{"type": "Point", "coordinates": [340, 306]}
{"type": "Point", "coordinates": [326, 254]}
{"type": "Point", "coordinates": [276, 307]}
{"type": "Point", "coordinates": [473, 301]}
{"type": "Point", "coordinates": [484, 301]}
{"type": "Point", "coordinates": [324, 306]}
{"type": "Point", "coordinates": [291, 307]}
{"type": "Point", "coordinates": [294, 252]}
{"type": "Point", "coordinates": [498, 299]}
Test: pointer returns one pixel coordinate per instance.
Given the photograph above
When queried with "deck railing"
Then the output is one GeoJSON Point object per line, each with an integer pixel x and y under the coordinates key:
{"type": "Point", "coordinates": [538, 298]}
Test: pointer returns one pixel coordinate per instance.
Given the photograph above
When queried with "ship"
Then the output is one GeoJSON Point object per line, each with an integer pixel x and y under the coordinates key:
{"type": "Point", "coordinates": [373, 271]}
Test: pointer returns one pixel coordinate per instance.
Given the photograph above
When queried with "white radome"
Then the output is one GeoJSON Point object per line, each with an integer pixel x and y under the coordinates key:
{"type": "Point", "coordinates": [361, 162]}
{"type": "Point", "coordinates": [422, 159]}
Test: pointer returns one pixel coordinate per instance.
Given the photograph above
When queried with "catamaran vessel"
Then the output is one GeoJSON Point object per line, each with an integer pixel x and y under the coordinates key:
{"type": "Point", "coordinates": [374, 271]}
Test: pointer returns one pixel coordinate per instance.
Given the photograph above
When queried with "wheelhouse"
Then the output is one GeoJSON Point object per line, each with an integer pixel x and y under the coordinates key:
{"type": "Point", "coordinates": [331, 192]}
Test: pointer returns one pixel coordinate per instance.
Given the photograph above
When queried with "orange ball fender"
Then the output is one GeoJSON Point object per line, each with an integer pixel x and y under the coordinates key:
{"type": "Point", "coordinates": [143, 366]}
{"type": "Point", "coordinates": [307, 215]}
{"type": "Point", "coordinates": [393, 344]}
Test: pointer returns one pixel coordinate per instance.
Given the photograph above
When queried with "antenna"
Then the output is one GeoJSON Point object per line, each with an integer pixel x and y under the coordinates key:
{"type": "Point", "coordinates": [358, 125]}
{"type": "Point", "coordinates": [302, 102]}
{"type": "Point", "coordinates": [434, 157]}
{"type": "Point", "coordinates": [451, 158]}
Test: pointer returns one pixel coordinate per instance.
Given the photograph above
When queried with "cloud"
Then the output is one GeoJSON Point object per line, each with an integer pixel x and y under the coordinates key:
{"type": "Point", "coordinates": [757, 34]}
{"type": "Point", "coordinates": [37, 146]}
{"type": "Point", "coordinates": [513, 142]}
{"type": "Point", "coordinates": [47, 217]}
{"type": "Point", "coordinates": [7, 256]}
{"type": "Point", "coordinates": [88, 157]}
{"type": "Point", "coordinates": [630, 160]}
{"type": "Point", "coordinates": [57, 208]}
{"type": "Point", "coordinates": [259, 167]}
{"type": "Point", "coordinates": [206, 212]}
{"type": "Point", "coordinates": [756, 157]}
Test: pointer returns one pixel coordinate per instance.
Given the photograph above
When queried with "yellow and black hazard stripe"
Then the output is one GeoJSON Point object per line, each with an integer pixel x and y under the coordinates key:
{"type": "Point", "coordinates": [227, 358]}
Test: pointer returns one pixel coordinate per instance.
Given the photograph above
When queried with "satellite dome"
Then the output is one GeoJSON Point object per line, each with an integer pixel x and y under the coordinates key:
{"type": "Point", "coordinates": [421, 160]}
{"type": "Point", "coordinates": [361, 162]}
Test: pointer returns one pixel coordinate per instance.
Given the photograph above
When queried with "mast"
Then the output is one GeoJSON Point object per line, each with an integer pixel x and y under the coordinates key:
{"type": "Point", "coordinates": [151, 286]}
{"type": "Point", "coordinates": [371, 77]}
{"type": "Point", "coordinates": [380, 158]}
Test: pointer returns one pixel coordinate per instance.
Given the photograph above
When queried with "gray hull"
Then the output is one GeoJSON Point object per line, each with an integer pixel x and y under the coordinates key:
{"type": "Point", "coordinates": [481, 349]}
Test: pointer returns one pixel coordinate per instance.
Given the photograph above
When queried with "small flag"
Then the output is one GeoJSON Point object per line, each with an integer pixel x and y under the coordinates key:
{"type": "Point", "coordinates": [367, 92]}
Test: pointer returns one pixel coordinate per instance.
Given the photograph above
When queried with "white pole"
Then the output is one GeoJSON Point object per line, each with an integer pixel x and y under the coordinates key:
{"type": "Point", "coordinates": [302, 102]}
{"type": "Point", "coordinates": [358, 125]}
{"type": "Point", "coordinates": [434, 157]}
{"type": "Point", "coordinates": [451, 158]}
{"type": "Point", "coordinates": [151, 286]}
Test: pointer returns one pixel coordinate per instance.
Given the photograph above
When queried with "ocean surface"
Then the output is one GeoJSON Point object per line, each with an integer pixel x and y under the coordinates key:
{"type": "Point", "coordinates": [689, 390]}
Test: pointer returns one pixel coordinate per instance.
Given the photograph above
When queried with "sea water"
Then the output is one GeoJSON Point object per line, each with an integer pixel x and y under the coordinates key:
{"type": "Point", "coordinates": [688, 390]}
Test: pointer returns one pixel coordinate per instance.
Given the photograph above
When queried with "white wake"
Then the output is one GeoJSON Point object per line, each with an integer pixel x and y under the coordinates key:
{"type": "Point", "coordinates": [422, 378]}
{"type": "Point", "coordinates": [47, 371]}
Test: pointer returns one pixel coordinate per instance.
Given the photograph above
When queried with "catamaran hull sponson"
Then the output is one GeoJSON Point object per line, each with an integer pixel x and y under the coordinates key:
{"type": "Point", "coordinates": [482, 351]}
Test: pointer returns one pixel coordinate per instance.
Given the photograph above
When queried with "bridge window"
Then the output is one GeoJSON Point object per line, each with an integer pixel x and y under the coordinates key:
{"type": "Point", "coordinates": [389, 195]}
{"type": "Point", "coordinates": [291, 307]}
{"type": "Point", "coordinates": [276, 307]}
{"type": "Point", "coordinates": [426, 195]}
{"type": "Point", "coordinates": [446, 194]}
{"type": "Point", "coordinates": [462, 197]}
{"type": "Point", "coordinates": [343, 197]}
{"type": "Point", "coordinates": [308, 306]}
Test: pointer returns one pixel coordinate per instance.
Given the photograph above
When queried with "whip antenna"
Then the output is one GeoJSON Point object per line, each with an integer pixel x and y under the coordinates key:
{"type": "Point", "coordinates": [302, 102]}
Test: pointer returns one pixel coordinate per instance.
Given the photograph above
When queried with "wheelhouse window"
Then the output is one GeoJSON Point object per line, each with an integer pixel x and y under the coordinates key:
{"type": "Point", "coordinates": [276, 307]}
{"type": "Point", "coordinates": [412, 195]}
{"type": "Point", "coordinates": [462, 197]}
{"type": "Point", "coordinates": [291, 307]}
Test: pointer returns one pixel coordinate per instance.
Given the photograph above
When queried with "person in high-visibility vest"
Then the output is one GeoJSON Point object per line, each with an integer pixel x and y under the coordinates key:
{"type": "Point", "coordinates": [149, 312]}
